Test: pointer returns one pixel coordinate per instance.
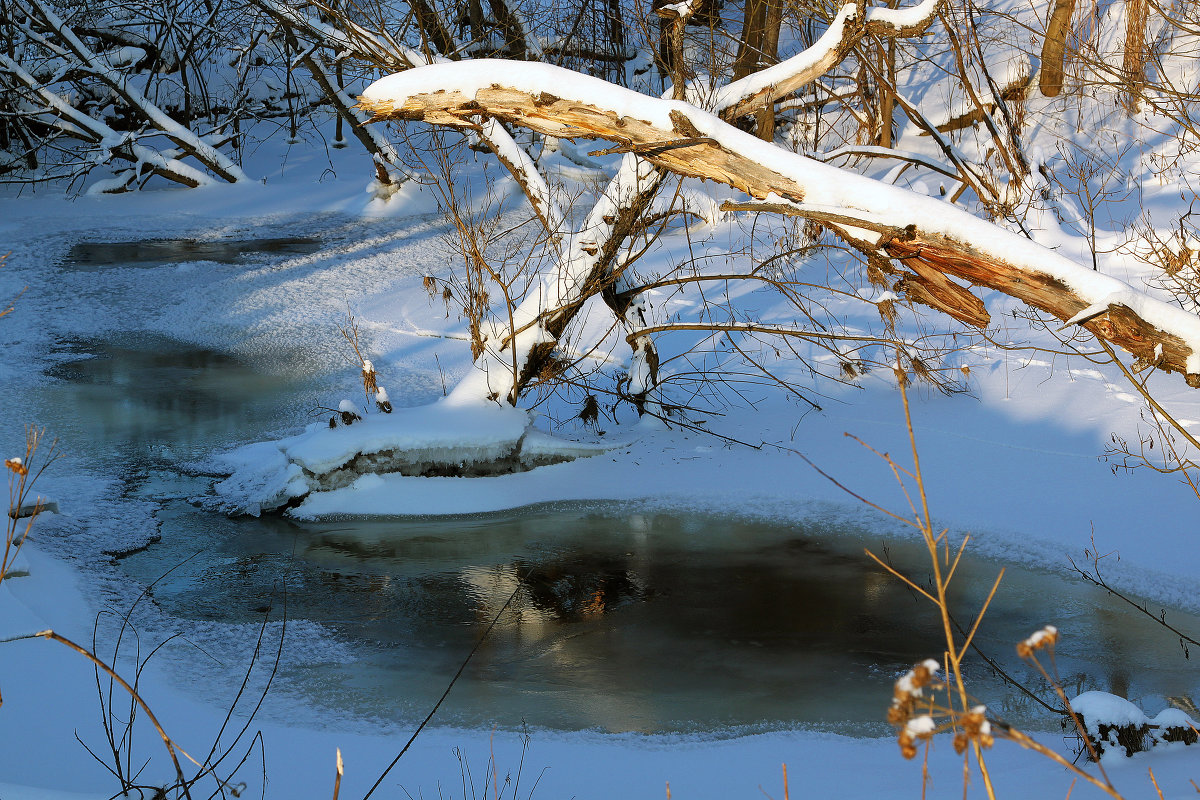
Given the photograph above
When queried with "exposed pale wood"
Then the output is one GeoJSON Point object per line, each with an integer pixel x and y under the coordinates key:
{"type": "Point", "coordinates": [932, 288]}
{"type": "Point", "coordinates": [567, 119]}
{"type": "Point", "coordinates": [922, 253]}
{"type": "Point", "coordinates": [923, 284]}
{"type": "Point", "coordinates": [1119, 325]}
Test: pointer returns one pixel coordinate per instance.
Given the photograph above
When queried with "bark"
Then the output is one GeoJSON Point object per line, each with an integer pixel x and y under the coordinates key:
{"type": "Point", "coordinates": [1133, 63]}
{"type": "Point", "coordinates": [754, 23]}
{"type": "Point", "coordinates": [389, 168]}
{"type": "Point", "coordinates": [432, 28]}
{"type": "Point", "coordinates": [748, 95]}
{"type": "Point", "coordinates": [696, 144]}
{"type": "Point", "coordinates": [1054, 49]}
{"type": "Point", "coordinates": [66, 118]}
{"type": "Point", "coordinates": [1117, 323]}
{"type": "Point", "coordinates": [1014, 92]}
{"type": "Point", "coordinates": [765, 127]}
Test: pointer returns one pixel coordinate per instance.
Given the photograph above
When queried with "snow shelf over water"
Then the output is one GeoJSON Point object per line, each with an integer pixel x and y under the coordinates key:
{"type": "Point", "coordinates": [442, 439]}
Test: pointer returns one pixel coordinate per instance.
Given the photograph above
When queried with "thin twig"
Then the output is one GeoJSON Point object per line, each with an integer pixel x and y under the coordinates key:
{"type": "Point", "coordinates": [446, 693]}
{"type": "Point", "coordinates": [170, 744]}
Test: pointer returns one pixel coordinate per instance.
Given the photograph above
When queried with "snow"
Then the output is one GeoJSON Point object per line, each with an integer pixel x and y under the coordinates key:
{"type": "Point", "coordinates": [1102, 708]}
{"type": "Point", "coordinates": [1173, 718]}
{"type": "Point", "coordinates": [920, 726]}
{"type": "Point", "coordinates": [348, 407]}
{"type": "Point", "coordinates": [481, 434]}
{"type": "Point", "coordinates": [1016, 465]}
{"type": "Point", "coordinates": [1036, 426]}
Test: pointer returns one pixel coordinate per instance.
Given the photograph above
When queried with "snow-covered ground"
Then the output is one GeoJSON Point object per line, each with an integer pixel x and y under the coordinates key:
{"type": "Point", "coordinates": [1015, 463]}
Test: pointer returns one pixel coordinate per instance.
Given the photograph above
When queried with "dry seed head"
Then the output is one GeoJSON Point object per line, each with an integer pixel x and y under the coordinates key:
{"type": "Point", "coordinates": [918, 677]}
{"type": "Point", "coordinates": [1045, 638]}
{"type": "Point", "coordinates": [430, 284]}
{"type": "Point", "coordinates": [591, 410]}
{"type": "Point", "coordinates": [922, 372]}
{"type": "Point", "coordinates": [975, 724]}
{"type": "Point", "coordinates": [887, 312]}
{"type": "Point", "coordinates": [368, 377]}
{"type": "Point", "coordinates": [974, 727]}
{"type": "Point", "coordinates": [916, 729]}
{"type": "Point", "coordinates": [17, 466]}
{"type": "Point", "coordinates": [1174, 262]}
{"type": "Point", "coordinates": [909, 688]}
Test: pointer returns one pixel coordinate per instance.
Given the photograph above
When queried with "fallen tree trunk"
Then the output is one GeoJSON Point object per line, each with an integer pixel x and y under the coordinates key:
{"type": "Point", "coordinates": [926, 234]}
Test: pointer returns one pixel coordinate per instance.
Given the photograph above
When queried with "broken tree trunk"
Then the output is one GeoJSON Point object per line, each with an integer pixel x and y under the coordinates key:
{"type": "Point", "coordinates": [877, 217]}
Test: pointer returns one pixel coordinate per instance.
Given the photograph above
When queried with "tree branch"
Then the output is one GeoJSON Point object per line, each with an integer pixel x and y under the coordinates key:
{"type": "Point", "coordinates": [936, 235]}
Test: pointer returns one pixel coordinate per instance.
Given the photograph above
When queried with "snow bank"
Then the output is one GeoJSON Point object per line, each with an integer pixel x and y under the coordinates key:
{"type": "Point", "coordinates": [444, 439]}
{"type": "Point", "coordinates": [440, 432]}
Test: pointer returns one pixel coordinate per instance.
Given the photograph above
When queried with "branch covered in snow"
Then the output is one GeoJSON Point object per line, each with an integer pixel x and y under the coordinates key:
{"type": "Point", "coordinates": [913, 229]}
{"type": "Point", "coordinates": [108, 142]}
{"type": "Point", "coordinates": [847, 29]}
{"type": "Point", "coordinates": [100, 68]}
{"type": "Point", "coordinates": [351, 39]}
{"type": "Point", "coordinates": [390, 171]}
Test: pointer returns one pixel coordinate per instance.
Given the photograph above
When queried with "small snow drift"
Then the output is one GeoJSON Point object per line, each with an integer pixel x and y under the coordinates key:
{"type": "Point", "coordinates": [439, 440]}
{"type": "Point", "coordinates": [1113, 723]}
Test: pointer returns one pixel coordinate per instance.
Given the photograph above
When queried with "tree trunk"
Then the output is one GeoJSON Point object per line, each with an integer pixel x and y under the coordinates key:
{"type": "Point", "coordinates": [1054, 49]}
{"type": "Point", "coordinates": [770, 52]}
{"type": "Point", "coordinates": [750, 46]}
{"type": "Point", "coordinates": [1133, 66]}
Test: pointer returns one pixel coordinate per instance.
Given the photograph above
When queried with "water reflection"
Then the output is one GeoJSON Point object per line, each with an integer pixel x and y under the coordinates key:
{"type": "Point", "coordinates": [153, 252]}
{"type": "Point", "coordinates": [629, 622]}
{"type": "Point", "coordinates": [608, 617]}
{"type": "Point", "coordinates": [150, 396]}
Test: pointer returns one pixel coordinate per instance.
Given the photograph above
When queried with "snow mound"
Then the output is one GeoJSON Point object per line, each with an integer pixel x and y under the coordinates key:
{"type": "Point", "coordinates": [1102, 708]}
{"type": "Point", "coordinates": [438, 433]}
{"type": "Point", "coordinates": [439, 440]}
{"type": "Point", "coordinates": [1173, 718]}
{"type": "Point", "coordinates": [1114, 724]}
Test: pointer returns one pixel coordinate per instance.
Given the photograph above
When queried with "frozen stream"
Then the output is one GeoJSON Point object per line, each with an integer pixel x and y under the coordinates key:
{"type": "Point", "coordinates": [623, 618]}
